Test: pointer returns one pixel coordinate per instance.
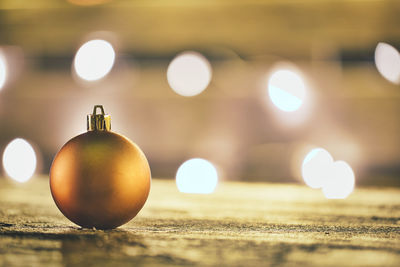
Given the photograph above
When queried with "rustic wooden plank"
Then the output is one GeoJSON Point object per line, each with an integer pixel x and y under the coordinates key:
{"type": "Point", "coordinates": [241, 224]}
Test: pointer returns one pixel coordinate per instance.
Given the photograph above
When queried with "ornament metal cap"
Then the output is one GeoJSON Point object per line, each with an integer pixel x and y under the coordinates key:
{"type": "Point", "coordinates": [98, 122]}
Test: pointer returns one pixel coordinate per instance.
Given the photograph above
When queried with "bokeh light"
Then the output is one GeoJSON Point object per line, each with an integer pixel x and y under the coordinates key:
{"type": "Point", "coordinates": [387, 61]}
{"type": "Point", "coordinates": [286, 90]}
{"type": "Point", "coordinates": [340, 181]}
{"type": "Point", "coordinates": [197, 176]}
{"type": "Point", "coordinates": [3, 70]}
{"type": "Point", "coordinates": [19, 160]}
{"type": "Point", "coordinates": [94, 60]}
{"type": "Point", "coordinates": [315, 167]}
{"type": "Point", "coordinates": [189, 73]}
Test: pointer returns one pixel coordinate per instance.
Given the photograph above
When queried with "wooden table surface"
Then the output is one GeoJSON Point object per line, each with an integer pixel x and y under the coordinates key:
{"type": "Point", "coordinates": [241, 224]}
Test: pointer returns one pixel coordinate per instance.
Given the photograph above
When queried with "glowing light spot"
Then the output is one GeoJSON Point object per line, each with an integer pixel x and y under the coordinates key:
{"type": "Point", "coordinates": [196, 176]}
{"type": "Point", "coordinates": [387, 61]}
{"type": "Point", "coordinates": [19, 160]}
{"type": "Point", "coordinates": [340, 182]}
{"type": "Point", "coordinates": [3, 71]}
{"type": "Point", "coordinates": [315, 167]}
{"type": "Point", "coordinates": [189, 74]}
{"type": "Point", "coordinates": [286, 90]}
{"type": "Point", "coordinates": [94, 60]}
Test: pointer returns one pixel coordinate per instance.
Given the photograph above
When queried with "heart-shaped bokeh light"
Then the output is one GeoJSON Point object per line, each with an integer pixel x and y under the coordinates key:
{"type": "Point", "coordinates": [335, 178]}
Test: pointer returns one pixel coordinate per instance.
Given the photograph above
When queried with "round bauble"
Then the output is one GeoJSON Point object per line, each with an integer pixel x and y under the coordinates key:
{"type": "Point", "coordinates": [100, 179]}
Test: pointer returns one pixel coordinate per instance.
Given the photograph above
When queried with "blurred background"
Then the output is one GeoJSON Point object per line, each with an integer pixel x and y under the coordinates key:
{"type": "Point", "coordinates": [337, 59]}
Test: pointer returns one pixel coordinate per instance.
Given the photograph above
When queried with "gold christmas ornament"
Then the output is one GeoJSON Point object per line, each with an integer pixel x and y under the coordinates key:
{"type": "Point", "coordinates": [100, 179]}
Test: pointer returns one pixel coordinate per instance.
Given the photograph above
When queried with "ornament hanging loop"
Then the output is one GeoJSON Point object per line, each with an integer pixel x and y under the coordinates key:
{"type": "Point", "coordinates": [101, 109]}
{"type": "Point", "coordinates": [98, 122]}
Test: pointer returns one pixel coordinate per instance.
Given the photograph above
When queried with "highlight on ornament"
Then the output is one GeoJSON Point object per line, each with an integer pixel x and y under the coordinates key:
{"type": "Point", "coordinates": [286, 90]}
{"type": "Point", "coordinates": [189, 73]}
{"type": "Point", "coordinates": [19, 160]}
{"type": "Point", "coordinates": [3, 70]}
{"type": "Point", "coordinates": [387, 61]}
{"type": "Point", "coordinates": [94, 60]}
{"type": "Point", "coordinates": [320, 171]}
{"type": "Point", "coordinates": [197, 176]}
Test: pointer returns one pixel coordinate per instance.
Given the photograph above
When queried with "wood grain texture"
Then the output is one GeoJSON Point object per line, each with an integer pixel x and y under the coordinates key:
{"type": "Point", "coordinates": [241, 224]}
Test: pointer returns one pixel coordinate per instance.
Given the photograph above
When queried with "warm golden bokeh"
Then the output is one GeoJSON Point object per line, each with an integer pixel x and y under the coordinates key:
{"type": "Point", "coordinates": [349, 106]}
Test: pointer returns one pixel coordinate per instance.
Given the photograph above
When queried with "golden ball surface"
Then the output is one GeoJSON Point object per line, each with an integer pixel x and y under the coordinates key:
{"type": "Point", "coordinates": [100, 179]}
